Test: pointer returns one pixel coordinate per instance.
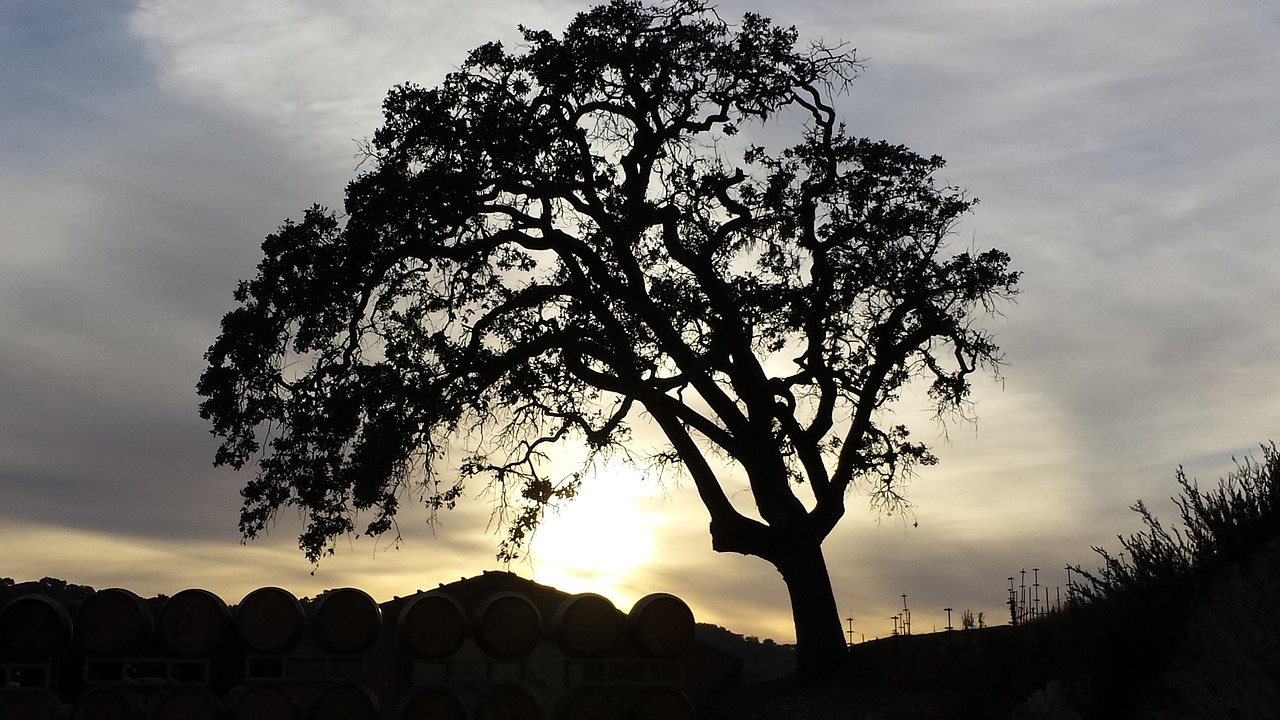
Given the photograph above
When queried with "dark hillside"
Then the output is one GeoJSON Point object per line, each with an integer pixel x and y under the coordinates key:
{"type": "Point", "coordinates": [1215, 656]}
{"type": "Point", "coordinates": [954, 675]}
{"type": "Point", "coordinates": [1210, 655]}
{"type": "Point", "coordinates": [1183, 624]}
{"type": "Point", "coordinates": [761, 660]}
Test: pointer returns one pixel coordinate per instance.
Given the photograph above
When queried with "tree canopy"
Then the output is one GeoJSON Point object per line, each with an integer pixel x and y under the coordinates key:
{"type": "Point", "coordinates": [559, 240]}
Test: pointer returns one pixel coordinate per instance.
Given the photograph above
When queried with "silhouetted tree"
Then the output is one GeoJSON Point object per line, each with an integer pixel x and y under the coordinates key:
{"type": "Point", "coordinates": [556, 241]}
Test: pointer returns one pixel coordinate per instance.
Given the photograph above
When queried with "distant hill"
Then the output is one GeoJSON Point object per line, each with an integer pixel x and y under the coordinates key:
{"type": "Point", "coordinates": [761, 660]}
{"type": "Point", "coordinates": [60, 590]}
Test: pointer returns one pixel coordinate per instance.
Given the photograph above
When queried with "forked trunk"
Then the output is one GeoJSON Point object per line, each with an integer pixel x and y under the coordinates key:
{"type": "Point", "coordinates": [820, 639]}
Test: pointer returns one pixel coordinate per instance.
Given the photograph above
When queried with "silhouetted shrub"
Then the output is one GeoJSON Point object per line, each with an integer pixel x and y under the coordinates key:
{"type": "Point", "coordinates": [1221, 526]}
{"type": "Point", "coordinates": [1135, 603]}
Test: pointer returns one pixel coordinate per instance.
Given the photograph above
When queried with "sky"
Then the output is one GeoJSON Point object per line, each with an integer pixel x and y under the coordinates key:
{"type": "Point", "coordinates": [1126, 154]}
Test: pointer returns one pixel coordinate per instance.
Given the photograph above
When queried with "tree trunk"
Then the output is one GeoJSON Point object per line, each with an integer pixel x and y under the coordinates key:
{"type": "Point", "coordinates": [820, 639]}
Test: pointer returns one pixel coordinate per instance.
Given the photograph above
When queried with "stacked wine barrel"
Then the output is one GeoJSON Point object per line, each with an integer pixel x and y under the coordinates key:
{"type": "Point", "coordinates": [477, 650]}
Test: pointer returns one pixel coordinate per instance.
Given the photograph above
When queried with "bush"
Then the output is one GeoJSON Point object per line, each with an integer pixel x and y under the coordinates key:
{"type": "Point", "coordinates": [1221, 526]}
{"type": "Point", "coordinates": [1135, 603]}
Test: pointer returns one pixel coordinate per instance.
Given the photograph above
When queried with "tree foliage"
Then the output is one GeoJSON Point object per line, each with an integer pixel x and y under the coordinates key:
{"type": "Point", "coordinates": [556, 242]}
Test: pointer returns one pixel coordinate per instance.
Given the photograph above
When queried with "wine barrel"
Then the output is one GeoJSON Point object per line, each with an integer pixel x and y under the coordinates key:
{"type": "Point", "coordinates": [346, 702]}
{"type": "Point", "coordinates": [189, 704]}
{"type": "Point", "coordinates": [433, 625]}
{"type": "Point", "coordinates": [264, 702]}
{"type": "Point", "coordinates": [34, 626]}
{"type": "Point", "coordinates": [590, 704]}
{"type": "Point", "coordinates": [108, 704]}
{"type": "Point", "coordinates": [587, 626]}
{"type": "Point", "coordinates": [270, 620]}
{"type": "Point", "coordinates": [665, 704]}
{"type": "Point", "coordinates": [509, 702]}
{"type": "Point", "coordinates": [346, 621]}
{"type": "Point", "coordinates": [113, 622]}
{"type": "Point", "coordinates": [431, 704]}
{"type": "Point", "coordinates": [193, 622]}
{"type": "Point", "coordinates": [31, 705]}
{"type": "Point", "coordinates": [661, 625]}
{"type": "Point", "coordinates": [507, 625]}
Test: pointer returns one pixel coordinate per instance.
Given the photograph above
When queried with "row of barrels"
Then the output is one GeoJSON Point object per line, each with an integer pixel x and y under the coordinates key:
{"type": "Point", "coordinates": [270, 620]}
{"type": "Point", "coordinates": [339, 702]}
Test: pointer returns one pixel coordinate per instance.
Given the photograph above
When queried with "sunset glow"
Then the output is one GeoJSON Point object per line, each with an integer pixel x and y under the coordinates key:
{"type": "Point", "coordinates": [602, 539]}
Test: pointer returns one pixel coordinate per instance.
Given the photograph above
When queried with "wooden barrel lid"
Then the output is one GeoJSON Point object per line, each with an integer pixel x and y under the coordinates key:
{"type": "Point", "coordinates": [193, 622]}
{"type": "Point", "coordinates": [433, 625]}
{"type": "Point", "coordinates": [661, 625]}
{"type": "Point", "coordinates": [509, 702]}
{"type": "Point", "coordinates": [587, 625]}
{"type": "Point", "coordinates": [591, 704]}
{"type": "Point", "coordinates": [31, 705]}
{"type": "Point", "coordinates": [113, 622]}
{"type": "Point", "coordinates": [189, 704]}
{"type": "Point", "coordinates": [264, 702]}
{"type": "Point", "coordinates": [108, 704]}
{"type": "Point", "coordinates": [270, 620]}
{"type": "Point", "coordinates": [507, 625]}
{"type": "Point", "coordinates": [346, 702]}
{"type": "Point", "coordinates": [34, 626]}
{"type": "Point", "coordinates": [431, 704]}
{"type": "Point", "coordinates": [665, 704]}
{"type": "Point", "coordinates": [346, 621]}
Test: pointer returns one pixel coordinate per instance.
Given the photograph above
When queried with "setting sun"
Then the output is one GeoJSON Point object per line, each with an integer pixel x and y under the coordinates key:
{"type": "Point", "coordinates": [600, 539]}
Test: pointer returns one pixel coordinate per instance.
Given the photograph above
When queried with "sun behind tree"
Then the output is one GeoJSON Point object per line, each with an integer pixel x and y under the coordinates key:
{"type": "Point", "coordinates": [601, 539]}
{"type": "Point", "coordinates": [550, 244]}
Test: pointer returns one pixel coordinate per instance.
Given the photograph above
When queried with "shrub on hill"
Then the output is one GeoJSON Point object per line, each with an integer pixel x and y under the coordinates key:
{"type": "Point", "coordinates": [1221, 526]}
{"type": "Point", "coordinates": [1136, 604]}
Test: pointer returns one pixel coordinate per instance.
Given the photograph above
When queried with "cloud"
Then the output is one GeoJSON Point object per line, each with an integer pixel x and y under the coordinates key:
{"type": "Point", "coordinates": [68, 69]}
{"type": "Point", "coordinates": [314, 73]}
{"type": "Point", "coordinates": [149, 566]}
